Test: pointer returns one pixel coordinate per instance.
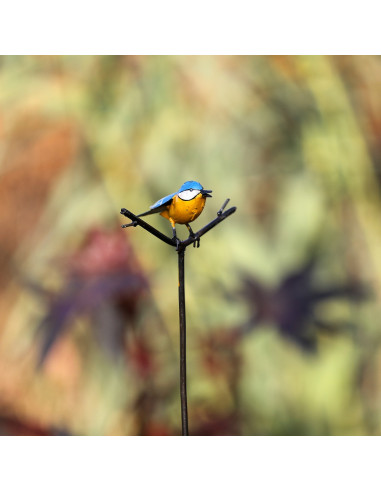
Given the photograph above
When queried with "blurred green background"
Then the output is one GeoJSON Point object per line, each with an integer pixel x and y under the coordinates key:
{"type": "Point", "coordinates": [282, 298]}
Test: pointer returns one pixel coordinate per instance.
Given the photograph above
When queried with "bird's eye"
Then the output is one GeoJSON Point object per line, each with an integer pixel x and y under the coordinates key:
{"type": "Point", "coordinates": [191, 189]}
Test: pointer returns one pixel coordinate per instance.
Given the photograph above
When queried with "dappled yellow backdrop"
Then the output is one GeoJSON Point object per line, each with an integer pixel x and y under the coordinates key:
{"type": "Point", "coordinates": [283, 298]}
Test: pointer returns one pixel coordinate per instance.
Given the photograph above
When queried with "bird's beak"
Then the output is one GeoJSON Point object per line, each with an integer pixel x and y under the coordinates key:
{"type": "Point", "coordinates": [205, 193]}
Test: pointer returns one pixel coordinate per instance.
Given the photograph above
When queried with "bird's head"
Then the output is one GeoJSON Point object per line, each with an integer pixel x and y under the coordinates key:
{"type": "Point", "coordinates": [190, 189]}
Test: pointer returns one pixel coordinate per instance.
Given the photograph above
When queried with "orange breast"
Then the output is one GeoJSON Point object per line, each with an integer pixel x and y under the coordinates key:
{"type": "Point", "coordinates": [182, 211]}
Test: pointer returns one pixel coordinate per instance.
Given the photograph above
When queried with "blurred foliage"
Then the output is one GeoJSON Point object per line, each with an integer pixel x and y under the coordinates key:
{"type": "Point", "coordinates": [282, 299]}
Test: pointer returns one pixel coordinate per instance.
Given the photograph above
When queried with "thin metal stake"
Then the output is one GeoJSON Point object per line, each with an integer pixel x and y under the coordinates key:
{"type": "Point", "coordinates": [183, 362]}
{"type": "Point", "coordinates": [222, 214]}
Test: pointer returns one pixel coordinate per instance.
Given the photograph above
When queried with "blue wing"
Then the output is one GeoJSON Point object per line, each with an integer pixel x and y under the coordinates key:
{"type": "Point", "coordinates": [162, 201]}
{"type": "Point", "coordinates": [159, 206]}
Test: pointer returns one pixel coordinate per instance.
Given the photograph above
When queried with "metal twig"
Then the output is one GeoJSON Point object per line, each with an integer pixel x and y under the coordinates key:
{"type": "Point", "coordinates": [180, 247]}
{"type": "Point", "coordinates": [223, 206]}
{"type": "Point", "coordinates": [205, 229]}
{"type": "Point", "coordinates": [138, 221]}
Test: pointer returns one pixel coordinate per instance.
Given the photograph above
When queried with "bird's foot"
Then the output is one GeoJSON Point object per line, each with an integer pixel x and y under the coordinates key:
{"type": "Point", "coordinates": [196, 242]}
{"type": "Point", "coordinates": [192, 235]}
{"type": "Point", "coordinates": [177, 241]}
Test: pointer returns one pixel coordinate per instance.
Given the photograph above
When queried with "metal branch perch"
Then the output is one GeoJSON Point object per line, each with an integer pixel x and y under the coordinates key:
{"type": "Point", "coordinates": [180, 248]}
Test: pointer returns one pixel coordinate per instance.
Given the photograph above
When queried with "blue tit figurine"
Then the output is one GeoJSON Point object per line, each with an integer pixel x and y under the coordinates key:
{"type": "Point", "coordinates": [181, 207]}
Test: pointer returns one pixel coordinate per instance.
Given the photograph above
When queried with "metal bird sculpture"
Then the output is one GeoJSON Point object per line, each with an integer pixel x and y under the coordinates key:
{"type": "Point", "coordinates": [181, 207]}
